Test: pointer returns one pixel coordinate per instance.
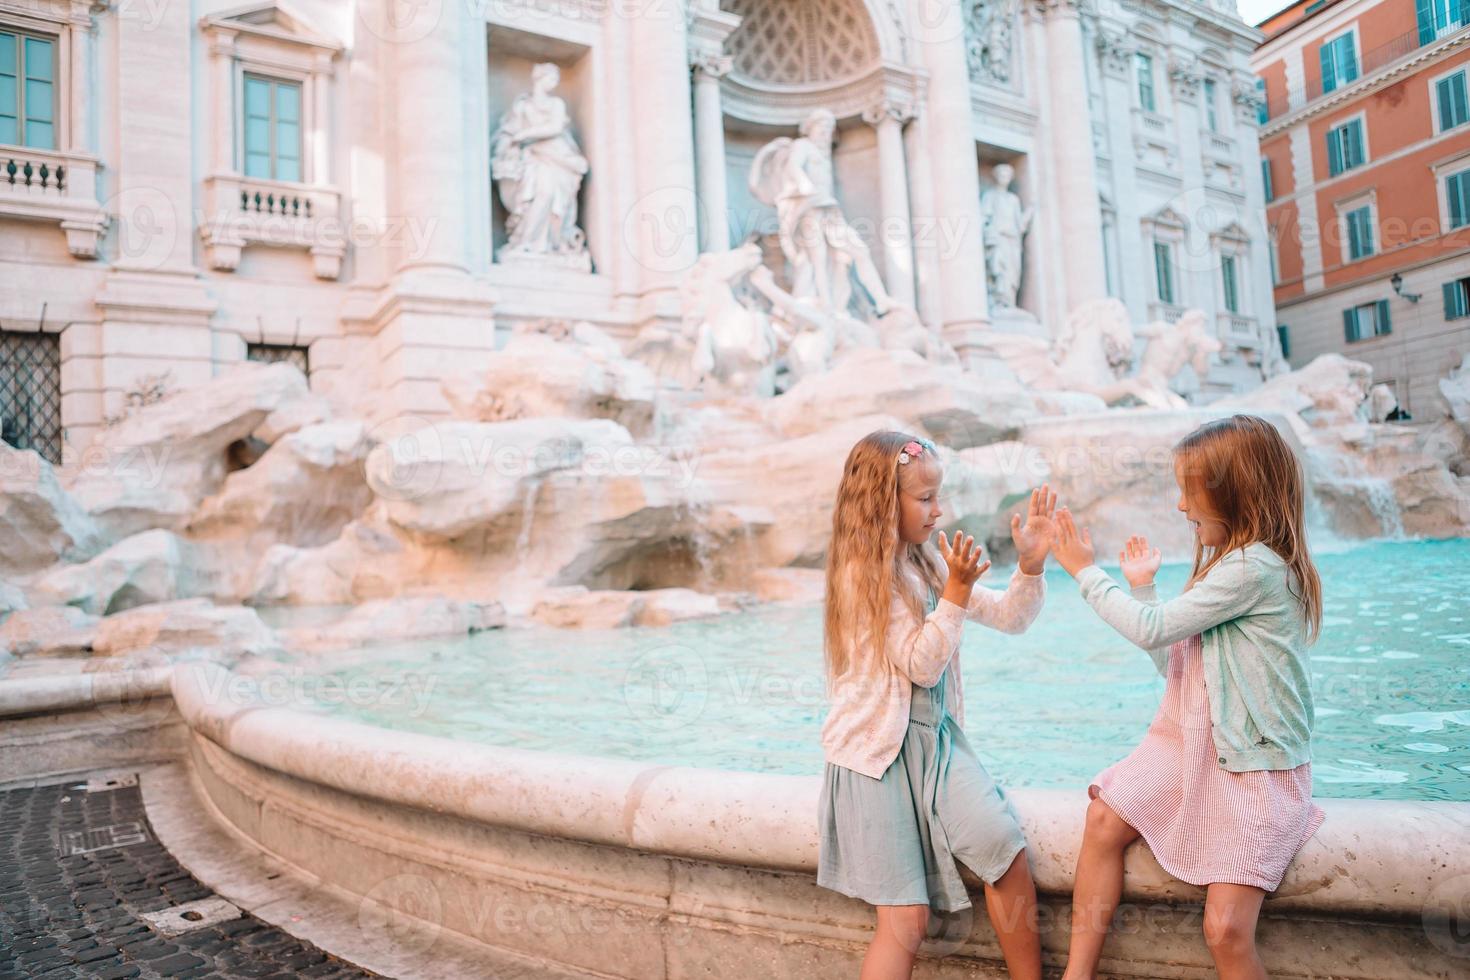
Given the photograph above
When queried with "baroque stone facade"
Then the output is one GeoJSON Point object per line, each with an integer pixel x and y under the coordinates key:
{"type": "Point", "coordinates": [316, 177]}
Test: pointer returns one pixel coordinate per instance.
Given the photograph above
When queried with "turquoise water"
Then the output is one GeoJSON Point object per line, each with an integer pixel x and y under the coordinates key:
{"type": "Point", "coordinates": [1049, 708]}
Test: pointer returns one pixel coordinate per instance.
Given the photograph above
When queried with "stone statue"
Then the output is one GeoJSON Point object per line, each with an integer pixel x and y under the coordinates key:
{"type": "Point", "coordinates": [539, 169]}
{"type": "Point", "coordinates": [1170, 348]}
{"type": "Point", "coordinates": [735, 347]}
{"type": "Point", "coordinates": [988, 43]}
{"type": "Point", "coordinates": [1005, 225]}
{"type": "Point", "coordinates": [1093, 354]}
{"type": "Point", "coordinates": [795, 176]}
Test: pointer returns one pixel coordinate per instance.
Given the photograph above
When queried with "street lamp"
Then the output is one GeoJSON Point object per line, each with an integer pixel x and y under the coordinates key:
{"type": "Point", "coordinates": [1397, 282]}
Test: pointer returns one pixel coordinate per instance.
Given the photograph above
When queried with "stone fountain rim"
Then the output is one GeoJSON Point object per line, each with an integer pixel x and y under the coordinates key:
{"type": "Point", "coordinates": [1372, 857]}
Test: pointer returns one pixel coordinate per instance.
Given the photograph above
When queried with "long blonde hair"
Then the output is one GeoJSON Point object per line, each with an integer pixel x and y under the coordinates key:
{"type": "Point", "coordinates": [1250, 477]}
{"type": "Point", "coordinates": [866, 560]}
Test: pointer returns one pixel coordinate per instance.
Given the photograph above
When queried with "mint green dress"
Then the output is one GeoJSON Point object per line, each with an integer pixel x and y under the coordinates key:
{"type": "Point", "coordinates": [895, 840]}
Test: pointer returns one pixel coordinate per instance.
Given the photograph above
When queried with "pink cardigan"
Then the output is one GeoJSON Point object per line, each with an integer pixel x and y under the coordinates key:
{"type": "Point", "coordinates": [870, 702]}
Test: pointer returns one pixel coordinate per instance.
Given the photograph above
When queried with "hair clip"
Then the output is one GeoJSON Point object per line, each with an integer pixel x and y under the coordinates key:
{"type": "Point", "coordinates": [913, 448]}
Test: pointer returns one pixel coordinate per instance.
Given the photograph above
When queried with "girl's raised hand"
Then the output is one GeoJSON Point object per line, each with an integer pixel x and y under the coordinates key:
{"type": "Point", "coordinates": [965, 567]}
{"type": "Point", "coordinates": [1139, 562]}
{"type": "Point", "coordinates": [1034, 537]}
{"type": "Point", "coordinates": [1072, 550]}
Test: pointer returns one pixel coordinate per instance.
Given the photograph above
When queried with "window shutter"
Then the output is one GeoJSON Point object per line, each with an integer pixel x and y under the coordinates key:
{"type": "Point", "coordinates": [1329, 69]}
{"type": "Point", "coordinates": [1334, 152]}
{"type": "Point", "coordinates": [1455, 187]}
{"type": "Point", "coordinates": [1444, 91]}
{"type": "Point", "coordinates": [1266, 179]}
{"type": "Point", "coordinates": [1426, 21]}
{"type": "Point", "coordinates": [1452, 296]}
{"type": "Point", "coordinates": [1383, 325]}
{"type": "Point", "coordinates": [1459, 99]}
{"type": "Point", "coordinates": [1349, 325]}
{"type": "Point", "coordinates": [9, 110]}
{"type": "Point", "coordinates": [1352, 145]}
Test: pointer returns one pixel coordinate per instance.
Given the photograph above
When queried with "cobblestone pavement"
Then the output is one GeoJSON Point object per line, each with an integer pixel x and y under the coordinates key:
{"type": "Point", "coordinates": [80, 869]}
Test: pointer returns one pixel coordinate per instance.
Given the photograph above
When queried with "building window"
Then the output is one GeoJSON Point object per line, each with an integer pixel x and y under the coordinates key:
{"type": "Point", "coordinates": [1457, 196]}
{"type": "Point", "coordinates": [1283, 333]}
{"type": "Point", "coordinates": [1454, 108]}
{"type": "Point", "coordinates": [1339, 61]}
{"type": "Point", "coordinates": [30, 392]}
{"type": "Point", "coordinates": [1365, 321]}
{"type": "Point", "coordinates": [1440, 17]}
{"type": "Point", "coordinates": [1164, 271]}
{"type": "Point", "coordinates": [272, 128]}
{"type": "Point", "coordinates": [1270, 192]}
{"type": "Point", "coordinates": [1144, 64]}
{"type": "Point", "coordinates": [1359, 232]}
{"type": "Point", "coordinates": [27, 90]}
{"type": "Point", "coordinates": [1345, 147]}
{"type": "Point", "coordinates": [1228, 283]}
{"type": "Point", "coordinates": [1263, 114]}
{"type": "Point", "coordinates": [288, 353]}
{"type": "Point", "coordinates": [1457, 299]}
{"type": "Point", "coordinates": [1275, 260]}
{"type": "Point", "coordinates": [1212, 118]}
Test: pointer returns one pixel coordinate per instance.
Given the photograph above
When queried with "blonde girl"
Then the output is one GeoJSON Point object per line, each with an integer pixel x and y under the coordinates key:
{"type": "Point", "coordinates": [1221, 786]}
{"type": "Point", "coordinates": [903, 794]}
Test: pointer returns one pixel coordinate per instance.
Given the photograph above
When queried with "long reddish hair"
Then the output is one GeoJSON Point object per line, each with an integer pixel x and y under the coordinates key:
{"type": "Point", "coordinates": [1248, 475]}
{"type": "Point", "coordinates": [867, 561]}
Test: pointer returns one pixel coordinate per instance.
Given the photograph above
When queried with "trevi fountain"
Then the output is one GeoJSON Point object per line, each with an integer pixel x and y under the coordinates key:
{"type": "Point", "coordinates": [559, 652]}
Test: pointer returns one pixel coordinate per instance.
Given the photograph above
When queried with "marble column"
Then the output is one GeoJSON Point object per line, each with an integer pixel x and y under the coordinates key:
{"type": "Point", "coordinates": [428, 168]}
{"type": "Point", "coordinates": [928, 297]}
{"type": "Point", "coordinates": [895, 227]}
{"type": "Point", "coordinates": [1074, 178]}
{"type": "Point", "coordinates": [954, 242]}
{"type": "Point", "coordinates": [154, 314]}
{"type": "Point", "coordinates": [663, 225]}
{"type": "Point", "coordinates": [321, 115]}
{"type": "Point", "coordinates": [1135, 262]}
{"type": "Point", "coordinates": [709, 148]}
{"type": "Point", "coordinates": [434, 316]}
{"type": "Point", "coordinates": [1198, 267]}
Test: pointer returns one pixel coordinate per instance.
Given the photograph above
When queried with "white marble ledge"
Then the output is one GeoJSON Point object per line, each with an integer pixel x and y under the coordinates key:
{"type": "Point", "coordinates": [1371, 857]}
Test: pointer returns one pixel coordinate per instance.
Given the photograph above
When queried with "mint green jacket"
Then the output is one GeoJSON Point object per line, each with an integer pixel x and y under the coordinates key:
{"type": "Point", "coordinates": [1253, 639]}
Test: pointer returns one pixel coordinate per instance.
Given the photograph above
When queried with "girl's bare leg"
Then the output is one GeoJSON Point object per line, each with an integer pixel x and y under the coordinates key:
{"type": "Point", "coordinates": [895, 942]}
{"type": "Point", "coordinates": [1011, 903]}
{"type": "Point", "coordinates": [1098, 884]}
{"type": "Point", "coordinates": [1231, 912]}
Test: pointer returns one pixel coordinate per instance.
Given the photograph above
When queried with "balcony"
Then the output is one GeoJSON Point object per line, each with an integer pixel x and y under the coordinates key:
{"type": "Point", "coordinates": [1237, 330]}
{"type": "Point", "coordinates": [242, 211]}
{"type": "Point", "coordinates": [1374, 60]}
{"type": "Point", "coordinates": [55, 187]}
{"type": "Point", "coordinates": [1168, 312]}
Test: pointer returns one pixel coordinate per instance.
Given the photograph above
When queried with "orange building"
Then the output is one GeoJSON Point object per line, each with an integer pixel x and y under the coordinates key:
{"type": "Point", "coordinates": [1365, 154]}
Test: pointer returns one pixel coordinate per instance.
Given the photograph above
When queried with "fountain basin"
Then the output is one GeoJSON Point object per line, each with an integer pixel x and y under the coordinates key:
{"type": "Point", "coordinates": [649, 871]}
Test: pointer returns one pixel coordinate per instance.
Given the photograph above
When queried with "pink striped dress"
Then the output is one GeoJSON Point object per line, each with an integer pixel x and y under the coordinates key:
{"type": "Point", "coordinates": [1205, 824]}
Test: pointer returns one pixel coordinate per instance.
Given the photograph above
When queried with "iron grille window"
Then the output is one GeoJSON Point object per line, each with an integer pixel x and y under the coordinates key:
{"type": "Point", "coordinates": [30, 392]}
{"type": "Point", "coordinates": [270, 353]}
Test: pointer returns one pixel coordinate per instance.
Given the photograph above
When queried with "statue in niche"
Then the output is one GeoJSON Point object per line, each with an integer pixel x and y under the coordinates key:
{"type": "Point", "coordinates": [539, 170]}
{"type": "Point", "coordinates": [1005, 223]}
{"type": "Point", "coordinates": [796, 177]}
